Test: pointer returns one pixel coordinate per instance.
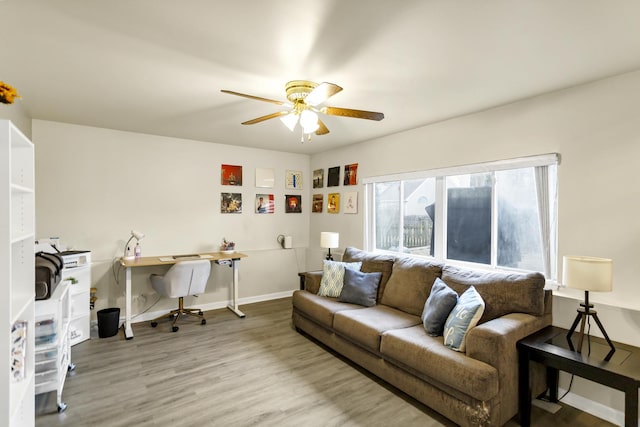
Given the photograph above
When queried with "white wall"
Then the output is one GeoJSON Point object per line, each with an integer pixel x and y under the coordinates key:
{"type": "Point", "coordinates": [17, 114]}
{"type": "Point", "coordinates": [596, 130]}
{"type": "Point", "coordinates": [94, 185]}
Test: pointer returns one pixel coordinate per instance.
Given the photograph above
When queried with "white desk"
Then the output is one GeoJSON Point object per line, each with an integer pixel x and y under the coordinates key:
{"type": "Point", "coordinates": [217, 257]}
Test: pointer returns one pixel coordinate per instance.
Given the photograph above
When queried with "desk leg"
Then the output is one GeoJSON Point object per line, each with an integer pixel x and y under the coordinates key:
{"type": "Point", "coordinates": [234, 304]}
{"type": "Point", "coordinates": [631, 406]}
{"type": "Point", "coordinates": [524, 392]}
{"type": "Point", "coordinates": [552, 382]}
{"type": "Point", "coordinates": [128, 331]}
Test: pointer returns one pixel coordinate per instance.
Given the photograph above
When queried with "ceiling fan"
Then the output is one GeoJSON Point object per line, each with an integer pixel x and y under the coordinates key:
{"type": "Point", "coordinates": [305, 98]}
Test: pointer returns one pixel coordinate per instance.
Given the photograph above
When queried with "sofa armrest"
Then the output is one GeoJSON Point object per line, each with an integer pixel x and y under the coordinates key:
{"type": "Point", "coordinates": [311, 280]}
{"type": "Point", "coordinates": [494, 342]}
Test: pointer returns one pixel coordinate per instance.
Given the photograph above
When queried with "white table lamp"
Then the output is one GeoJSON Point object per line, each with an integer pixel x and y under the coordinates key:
{"type": "Point", "coordinates": [134, 235]}
{"type": "Point", "coordinates": [588, 274]}
{"type": "Point", "coordinates": [329, 240]}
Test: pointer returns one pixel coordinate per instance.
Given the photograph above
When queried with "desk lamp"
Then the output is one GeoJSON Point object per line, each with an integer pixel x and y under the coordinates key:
{"type": "Point", "coordinates": [329, 240]}
{"type": "Point", "coordinates": [134, 235]}
{"type": "Point", "coordinates": [588, 274]}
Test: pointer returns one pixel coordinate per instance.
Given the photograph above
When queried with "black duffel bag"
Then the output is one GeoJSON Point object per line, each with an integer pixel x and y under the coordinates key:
{"type": "Point", "coordinates": [48, 274]}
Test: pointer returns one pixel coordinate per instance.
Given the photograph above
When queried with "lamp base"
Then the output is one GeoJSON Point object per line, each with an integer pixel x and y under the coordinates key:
{"type": "Point", "coordinates": [584, 312]}
{"type": "Point", "coordinates": [329, 256]}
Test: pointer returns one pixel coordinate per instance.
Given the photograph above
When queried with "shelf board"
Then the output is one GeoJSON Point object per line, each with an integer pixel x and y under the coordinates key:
{"type": "Point", "coordinates": [18, 188]}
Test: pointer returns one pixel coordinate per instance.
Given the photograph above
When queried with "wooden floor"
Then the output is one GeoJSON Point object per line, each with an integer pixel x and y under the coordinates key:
{"type": "Point", "coordinates": [235, 372]}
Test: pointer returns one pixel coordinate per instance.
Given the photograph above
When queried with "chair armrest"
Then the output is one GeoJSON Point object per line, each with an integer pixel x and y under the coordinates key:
{"type": "Point", "coordinates": [310, 281]}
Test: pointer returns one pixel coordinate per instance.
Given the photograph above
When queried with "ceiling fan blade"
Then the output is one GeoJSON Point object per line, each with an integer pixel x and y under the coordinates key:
{"type": "Point", "coordinates": [321, 93]}
{"type": "Point", "coordinates": [257, 98]}
{"type": "Point", "coordinates": [267, 117]}
{"type": "Point", "coordinates": [322, 129]}
{"type": "Point", "coordinates": [347, 112]}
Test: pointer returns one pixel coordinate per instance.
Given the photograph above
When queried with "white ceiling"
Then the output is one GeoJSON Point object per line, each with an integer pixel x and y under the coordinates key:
{"type": "Point", "coordinates": [157, 66]}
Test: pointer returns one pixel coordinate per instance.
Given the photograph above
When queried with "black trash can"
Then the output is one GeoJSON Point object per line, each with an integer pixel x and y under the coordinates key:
{"type": "Point", "coordinates": [108, 321]}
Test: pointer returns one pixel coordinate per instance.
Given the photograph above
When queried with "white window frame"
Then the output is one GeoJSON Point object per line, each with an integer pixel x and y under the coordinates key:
{"type": "Point", "coordinates": [548, 225]}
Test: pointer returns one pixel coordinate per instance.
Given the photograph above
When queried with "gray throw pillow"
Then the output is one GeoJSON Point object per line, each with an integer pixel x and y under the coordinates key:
{"type": "Point", "coordinates": [437, 308]}
{"type": "Point", "coordinates": [360, 288]}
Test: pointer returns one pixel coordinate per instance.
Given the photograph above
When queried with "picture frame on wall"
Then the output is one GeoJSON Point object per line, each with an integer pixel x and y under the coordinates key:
{"type": "Point", "coordinates": [265, 178]}
{"type": "Point", "coordinates": [351, 174]}
{"type": "Point", "coordinates": [318, 201]}
{"type": "Point", "coordinates": [318, 178]}
{"type": "Point", "coordinates": [230, 203]}
{"type": "Point", "coordinates": [333, 176]}
{"type": "Point", "coordinates": [265, 204]}
{"type": "Point", "coordinates": [231, 175]}
{"type": "Point", "coordinates": [350, 202]}
{"type": "Point", "coordinates": [333, 203]}
{"type": "Point", "coordinates": [293, 180]}
{"type": "Point", "coordinates": [293, 203]}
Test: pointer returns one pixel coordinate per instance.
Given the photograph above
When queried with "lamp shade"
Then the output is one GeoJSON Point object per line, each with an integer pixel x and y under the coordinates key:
{"type": "Point", "coordinates": [329, 239]}
{"type": "Point", "coordinates": [587, 273]}
{"type": "Point", "coordinates": [138, 235]}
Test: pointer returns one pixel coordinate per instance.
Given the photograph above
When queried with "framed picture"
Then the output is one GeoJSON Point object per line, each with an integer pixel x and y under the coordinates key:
{"type": "Point", "coordinates": [351, 174]}
{"type": "Point", "coordinates": [293, 180]}
{"type": "Point", "coordinates": [333, 203]}
{"type": "Point", "coordinates": [293, 203]}
{"type": "Point", "coordinates": [265, 178]}
{"type": "Point", "coordinates": [318, 201]}
{"type": "Point", "coordinates": [318, 178]}
{"type": "Point", "coordinates": [231, 174]}
{"type": "Point", "coordinates": [264, 204]}
{"type": "Point", "coordinates": [350, 202]}
{"type": "Point", "coordinates": [333, 177]}
{"type": "Point", "coordinates": [230, 202]}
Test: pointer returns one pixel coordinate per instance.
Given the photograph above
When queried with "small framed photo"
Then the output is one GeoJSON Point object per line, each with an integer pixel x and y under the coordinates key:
{"type": "Point", "coordinates": [333, 203]}
{"type": "Point", "coordinates": [333, 176]}
{"type": "Point", "coordinates": [293, 203]}
{"type": "Point", "coordinates": [350, 202]}
{"type": "Point", "coordinates": [293, 180]}
{"type": "Point", "coordinates": [230, 202]}
{"type": "Point", "coordinates": [265, 178]}
{"type": "Point", "coordinates": [318, 178]}
{"type": "Point", "coordinates": [318, 201]}
{"type": "Point", "coordinates": [351, 174]}
{"type": "Point", "coordinates": [231, 174]}
{"type": "Point", "coordinates": [264, 204]}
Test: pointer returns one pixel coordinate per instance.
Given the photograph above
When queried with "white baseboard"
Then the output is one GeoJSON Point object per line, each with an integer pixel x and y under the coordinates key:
{"type": "Point", "coordinates": [145, 317]}
{"type": "Point", "coordinates": [594, 408]}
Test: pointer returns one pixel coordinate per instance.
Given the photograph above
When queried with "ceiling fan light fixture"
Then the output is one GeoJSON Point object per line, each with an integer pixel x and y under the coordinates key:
{"type": "Point", "coordinates": [309, 121]}
{"type": "Point", "coordinates": [290, 120]}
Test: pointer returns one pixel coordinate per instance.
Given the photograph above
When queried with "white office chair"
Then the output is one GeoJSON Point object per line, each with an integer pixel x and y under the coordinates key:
{"type": "Point", "coordinates": [183, 278]}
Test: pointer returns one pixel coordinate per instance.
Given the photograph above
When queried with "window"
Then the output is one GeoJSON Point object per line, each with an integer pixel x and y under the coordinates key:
{"type": "Point", "coordinates": [500, 214]}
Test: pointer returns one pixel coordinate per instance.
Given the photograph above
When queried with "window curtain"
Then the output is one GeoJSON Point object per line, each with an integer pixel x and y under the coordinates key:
{"type": "Point", "coordinates": [542, 192]}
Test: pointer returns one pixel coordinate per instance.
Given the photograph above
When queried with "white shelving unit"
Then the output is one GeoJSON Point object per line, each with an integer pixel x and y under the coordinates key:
{"type": "Point", "coordinates": [77, 271]}
{"type": "Point", "coordinates": [17, 231]}
{"type": "Point", "coordinates": [52, 343]}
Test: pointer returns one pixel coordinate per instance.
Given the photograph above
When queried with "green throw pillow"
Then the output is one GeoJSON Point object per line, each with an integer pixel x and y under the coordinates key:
{"type": "Point", "coordinates": [333, 277]}
{"type": "Point", "coordinates": [464, 316]}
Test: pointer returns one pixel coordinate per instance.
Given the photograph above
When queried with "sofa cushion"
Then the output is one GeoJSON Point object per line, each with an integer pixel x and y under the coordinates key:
{"type": "Point", "coordinates": [372, 263]}
{"type": "Point", "coordinates": [410, 284]}
{"type": "Point", "coordinates": [320, 309]}
{"type": "Point", "coordinates": [502, 292]}
{"type": "Point", "coordinates": [464, 316]}
{"type": "Point", "coordinates": [366, 325]}
{"type": "Point", "coordinates": [360, 288]}
{"type": "Point", "coordinates": [439, 304]}
{"type": "Point", "coordinates": [333, 277]}
{"type": "Point", "coordinates": [414, 348]}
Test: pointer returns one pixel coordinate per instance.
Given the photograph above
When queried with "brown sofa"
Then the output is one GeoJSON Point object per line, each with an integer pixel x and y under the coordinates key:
{"type": "Point", "coordinates": [475, 387]}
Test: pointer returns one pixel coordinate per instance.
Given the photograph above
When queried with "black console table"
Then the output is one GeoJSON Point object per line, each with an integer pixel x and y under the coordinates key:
{"type": "Point", "coordinates": [619, 370]}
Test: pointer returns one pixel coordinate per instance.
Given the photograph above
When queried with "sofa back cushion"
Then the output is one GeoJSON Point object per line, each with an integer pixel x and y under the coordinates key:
{"type": "Point", "coordinates": [502, 292]}
{"type": "Point", "coordinates": [410, 284]}
{"type": "Point", "coordinates": [371, 263]}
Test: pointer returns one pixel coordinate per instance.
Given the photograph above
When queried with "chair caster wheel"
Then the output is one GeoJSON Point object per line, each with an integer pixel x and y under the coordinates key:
{"type": "Point", "coordinates": [204, 322]}
{"type": "Point", "coordinates": [154, 324]}
{"type": "Point", "coordinates": [175, 329]}
{"type": "Point", "coordinates": [200, 313]}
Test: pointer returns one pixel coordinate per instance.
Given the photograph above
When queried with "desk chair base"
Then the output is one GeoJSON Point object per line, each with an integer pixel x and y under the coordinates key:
{"type": "Point", "coordinates": [179, 312]}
